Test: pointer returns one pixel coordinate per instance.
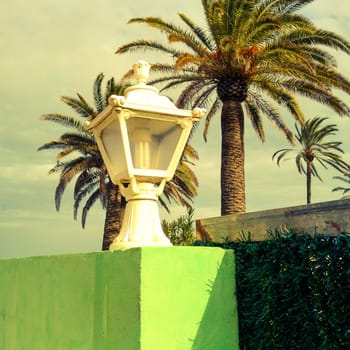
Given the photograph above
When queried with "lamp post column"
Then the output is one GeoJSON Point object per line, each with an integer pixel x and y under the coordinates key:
{"type": "Point", "coordinates": [141, 223]}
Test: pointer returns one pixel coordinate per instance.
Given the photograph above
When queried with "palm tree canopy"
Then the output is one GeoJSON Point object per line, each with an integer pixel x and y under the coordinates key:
{"type": "Point", "coordinates": [259, 52]}
{"type": "Point", "coordinates": [314, 148]}
{"type": "Point", "coordinates": [79, 158]}
{"type": "Point", "coordinates": [251, 60]}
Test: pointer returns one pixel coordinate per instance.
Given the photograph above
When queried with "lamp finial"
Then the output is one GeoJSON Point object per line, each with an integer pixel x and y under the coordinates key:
{"type": "Point", "coordinates": [141, 71]}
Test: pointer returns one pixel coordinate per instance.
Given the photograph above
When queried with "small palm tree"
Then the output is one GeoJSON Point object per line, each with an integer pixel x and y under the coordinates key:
{"type": "Point", "coordinates": [314, 148]}
{"type": "Point", "coordinates": [252, 58]}
{"type": "Point", "coordinates": [181, 230]}
{"type": "Point", "coordinates": [79, 159]}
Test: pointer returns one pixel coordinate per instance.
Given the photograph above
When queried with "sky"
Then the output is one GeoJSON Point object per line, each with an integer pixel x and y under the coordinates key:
{"type": "Point", "coordinates": [53, 48]}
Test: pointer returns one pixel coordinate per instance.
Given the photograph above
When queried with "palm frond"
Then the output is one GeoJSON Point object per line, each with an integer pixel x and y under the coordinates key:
{"type": "Point", "coordinates": [271, 113]}
{"type": "Point", "coordinates": [85, 105]}
{"type": "Point", "coordinates": [210, 114]}
{"type": "Point", "coordinates": [100, 101]}
{"type": "Point", "coordinates": [87, 187]}
{"type": "Point", "coordinates": [89, 203]}
{"type": "Point", "coordinates": [54, 145]}
{"type": "Point", "coordinates": [148, 45]}
{"type": "Point", "coordinates": [200, 33]}
{"type": "Point", "coordinates": [253, 114]}
{"type": "Point", "coordinates": [77, 105]}
{"type": "Point", "coordinates": [64, 121]}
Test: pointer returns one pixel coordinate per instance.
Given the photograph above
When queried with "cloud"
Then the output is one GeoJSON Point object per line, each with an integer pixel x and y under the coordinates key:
{"type": "Point", "coordinates": [27, 173]}
{"type": "Point", "coordinates": [325, 8]}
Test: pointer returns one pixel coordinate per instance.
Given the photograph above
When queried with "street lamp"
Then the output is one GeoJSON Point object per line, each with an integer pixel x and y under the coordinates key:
{"type": "Point", "coordinates": [141, 137]}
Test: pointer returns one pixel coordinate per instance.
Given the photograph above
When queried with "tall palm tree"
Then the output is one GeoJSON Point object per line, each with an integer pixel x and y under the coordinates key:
{"type": "Point", "coordinates": [254, 56]}
{"type": "Point", "coordinates": [314, 149]}
{"type": "Point", "coordinates": [79, 159]}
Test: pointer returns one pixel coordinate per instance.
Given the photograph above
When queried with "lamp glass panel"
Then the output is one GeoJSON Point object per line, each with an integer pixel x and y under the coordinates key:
{"type": "Point", "coordinates": [152, 142]}
{"type": "Point", "coordinates": [113, 149]}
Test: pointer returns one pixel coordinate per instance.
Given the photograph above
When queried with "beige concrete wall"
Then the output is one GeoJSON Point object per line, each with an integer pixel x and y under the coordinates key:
{"type": "Point", "coordinates": [329, 218]}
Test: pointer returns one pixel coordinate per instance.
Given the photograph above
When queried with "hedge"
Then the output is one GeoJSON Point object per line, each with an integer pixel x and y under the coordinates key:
{"type": "Point", "coordinates": [293, 292]}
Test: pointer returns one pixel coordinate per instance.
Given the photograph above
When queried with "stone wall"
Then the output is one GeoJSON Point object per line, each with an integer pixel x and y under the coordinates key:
{"type": "Point", "coordinates": [328, 218]}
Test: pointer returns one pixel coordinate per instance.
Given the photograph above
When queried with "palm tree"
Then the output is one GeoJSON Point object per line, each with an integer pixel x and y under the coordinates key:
{"type": "Point", "coordinates": [254, 56]}
{"type": "Point", "coordinates": [79, 159]}
{"type": "Point", "coordinates": [314, 149]}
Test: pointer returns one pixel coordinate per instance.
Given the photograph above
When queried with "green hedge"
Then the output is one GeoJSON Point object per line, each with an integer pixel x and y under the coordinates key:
{"type": "Point", "coordinates": [293, 292]}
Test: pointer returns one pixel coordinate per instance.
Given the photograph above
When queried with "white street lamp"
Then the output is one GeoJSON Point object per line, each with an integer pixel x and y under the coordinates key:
{"type": "Point", "coordinates": [141, 137]}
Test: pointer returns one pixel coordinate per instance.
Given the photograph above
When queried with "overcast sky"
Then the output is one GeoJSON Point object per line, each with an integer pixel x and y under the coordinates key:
{"type": "Point", "coordinates": [53, 48]}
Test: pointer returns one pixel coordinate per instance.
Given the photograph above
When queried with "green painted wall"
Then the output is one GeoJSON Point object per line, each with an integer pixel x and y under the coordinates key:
{"type": "Point", "coordinates": [142, 298]}
{"type": "Point", "coordinates": [193, 290]}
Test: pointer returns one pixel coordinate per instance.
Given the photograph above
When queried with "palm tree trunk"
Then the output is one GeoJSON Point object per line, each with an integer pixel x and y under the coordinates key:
{"type": "Point", "coordinates": [232, 159]}
{"type": "Point", "coordinates": [113, 215]}
{"type": "Point", "coordinates": [308, 182]}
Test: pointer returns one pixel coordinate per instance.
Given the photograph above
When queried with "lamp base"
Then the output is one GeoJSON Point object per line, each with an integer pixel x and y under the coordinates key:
{"type": "Point", "coordinates": [141, 224]}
